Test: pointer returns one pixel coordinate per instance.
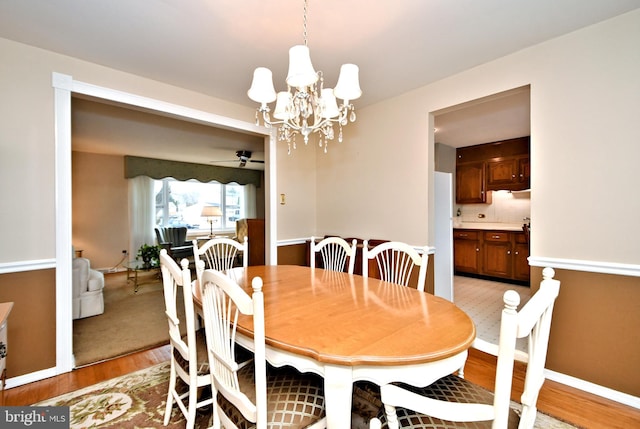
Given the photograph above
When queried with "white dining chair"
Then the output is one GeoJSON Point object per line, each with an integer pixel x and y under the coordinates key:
{"type": "Point", "coordinates": [396, 261]}
{"type": "Point", "coordinates": [189, 361]}
{"type": "Point", "coordinates": [252, 394]}
{"type": "Point", "coordinates": [220, 253]}
{"type": "Point", "coordinates": [335, 253]}
{"type": "Point", "coordinates": [453, 401]}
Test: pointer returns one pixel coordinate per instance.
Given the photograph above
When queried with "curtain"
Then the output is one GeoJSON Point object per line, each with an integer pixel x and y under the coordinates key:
{"type": "Point", "coordinates": [161, 168]}
{"type": "Point", "coordinates": [141, 213]}
{"type": "Point", "coordinates": [250, 201]}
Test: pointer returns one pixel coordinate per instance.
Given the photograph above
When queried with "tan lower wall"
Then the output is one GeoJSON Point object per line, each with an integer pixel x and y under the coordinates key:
{"type": "Point", "coordinates": [31, 341]}
{"type": "Point", "coordinates": [294, 254]}
{"type": "Point", "coordinates": [594, 332]}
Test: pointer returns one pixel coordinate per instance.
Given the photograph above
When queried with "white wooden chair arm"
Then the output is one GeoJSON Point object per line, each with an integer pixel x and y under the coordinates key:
{"type": "Point", "coordinates": [456, 411]}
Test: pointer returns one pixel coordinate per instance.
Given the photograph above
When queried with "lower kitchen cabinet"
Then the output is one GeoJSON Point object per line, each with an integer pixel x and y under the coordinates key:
{"type": "Point", "coordinates": [466, 256]}
{"type": "Point", "coordinates": [521, 269]}
{"type": "Point", "coordinates": [489, 253]}
{"type": "Point", "coordinates": [496, 254]}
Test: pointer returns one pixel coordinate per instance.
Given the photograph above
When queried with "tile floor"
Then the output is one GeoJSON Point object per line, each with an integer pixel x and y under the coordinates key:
{"type": "Point", "coordinates": [482, 301]}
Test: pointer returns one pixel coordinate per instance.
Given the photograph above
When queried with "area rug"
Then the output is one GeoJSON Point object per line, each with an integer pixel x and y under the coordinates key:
{"type": "Point", "coordinates": [131, 322]}
{"type": "Point", "coordinates": [138, 400]}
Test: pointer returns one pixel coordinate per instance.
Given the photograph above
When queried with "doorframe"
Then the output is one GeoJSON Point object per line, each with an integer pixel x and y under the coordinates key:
{"type": "Point", "coordinates": [64, 86]}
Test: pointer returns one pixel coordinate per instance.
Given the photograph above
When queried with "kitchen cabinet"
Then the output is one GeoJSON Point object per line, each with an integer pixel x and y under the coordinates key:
{"type": "Point", "coordinates": [466, 255]}
{"type": "Point", "coordinates": [521, 269]}
{"type": "Point", "coordinates": [503, 165]}
{"type": "Point", "coordinates": [491, 253]}
{"type": "Point", "coordinates": [470, 183]}
{"type": "Point", "coordinates": [511, 174]}
{"type": "Point", "coordinates": [496, 254]}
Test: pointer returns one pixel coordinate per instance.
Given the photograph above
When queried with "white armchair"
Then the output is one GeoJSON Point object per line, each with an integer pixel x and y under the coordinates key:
{"type": "Point", "coordinates": [88, 284]}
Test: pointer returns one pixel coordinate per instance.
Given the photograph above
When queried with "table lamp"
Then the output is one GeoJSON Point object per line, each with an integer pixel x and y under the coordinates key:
{"type": "Point", "coordinates": [210, 212]}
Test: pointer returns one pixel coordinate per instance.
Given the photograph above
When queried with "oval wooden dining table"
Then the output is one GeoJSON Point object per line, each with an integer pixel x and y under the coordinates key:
{"type": "Point", "coordinates": [346, 327]}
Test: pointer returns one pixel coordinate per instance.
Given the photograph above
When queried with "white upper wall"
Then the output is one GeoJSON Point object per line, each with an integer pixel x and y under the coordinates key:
{"type": "Point", "coordinates": [27, 144]}
{"type": "Point", "coordinates": [584, 104]}
{"type": "Point", "coordinates": [585, 101]}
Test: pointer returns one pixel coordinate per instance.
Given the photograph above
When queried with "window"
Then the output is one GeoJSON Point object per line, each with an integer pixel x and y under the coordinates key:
{"type": "Point", "coordinates": [179, 203]}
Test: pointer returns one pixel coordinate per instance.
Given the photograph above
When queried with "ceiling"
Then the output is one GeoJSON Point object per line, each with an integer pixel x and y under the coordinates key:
{"type": "Point", "coordinates": [212, 46]}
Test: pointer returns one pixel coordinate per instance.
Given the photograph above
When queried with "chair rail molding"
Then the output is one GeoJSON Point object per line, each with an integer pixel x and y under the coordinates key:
{"type": "Point", "coordinates": [614, 268]}
{"type": "Point", "coordinates": [20, 266]}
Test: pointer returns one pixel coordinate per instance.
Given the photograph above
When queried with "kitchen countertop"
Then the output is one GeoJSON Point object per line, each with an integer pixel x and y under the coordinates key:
{"type": "Point", "coordinates": [499, 226]}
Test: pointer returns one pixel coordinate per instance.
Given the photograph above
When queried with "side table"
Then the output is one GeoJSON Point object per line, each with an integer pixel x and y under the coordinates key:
{"type": "Point", "coordinates": [133, 268]}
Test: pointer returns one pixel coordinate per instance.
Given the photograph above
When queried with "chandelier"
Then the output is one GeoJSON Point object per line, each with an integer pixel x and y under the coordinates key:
{"type": "Point", "coordinates": [306, 106]}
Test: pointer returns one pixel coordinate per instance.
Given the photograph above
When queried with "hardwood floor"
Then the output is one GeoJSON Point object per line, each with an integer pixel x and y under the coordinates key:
{"type": "Point", "coordinates": [565, 403]}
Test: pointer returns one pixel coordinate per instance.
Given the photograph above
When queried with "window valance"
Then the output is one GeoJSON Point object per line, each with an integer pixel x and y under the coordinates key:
{"type": "Point", "coordinates": [160, 168]}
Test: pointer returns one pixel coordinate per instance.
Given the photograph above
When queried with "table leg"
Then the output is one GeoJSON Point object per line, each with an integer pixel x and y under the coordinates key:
{"type": "Point", "coordinates": [338, 391]}
{"type": "Point", "coordinates": [135, 284]}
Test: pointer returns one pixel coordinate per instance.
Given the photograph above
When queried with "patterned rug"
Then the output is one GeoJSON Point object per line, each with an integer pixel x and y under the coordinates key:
{"type": "Point", "coordinates": [138, 400]}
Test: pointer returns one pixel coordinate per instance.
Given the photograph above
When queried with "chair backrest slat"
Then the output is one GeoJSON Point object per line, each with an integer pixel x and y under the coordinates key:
{"type": "Point", "coordinates": [396, 262]}
{"type": "Point", "coordinates": [220, 254]}
{"type": "Point", "coordinates": [335, 253]}
{"type": "Point", "coordinates": [223, 302]}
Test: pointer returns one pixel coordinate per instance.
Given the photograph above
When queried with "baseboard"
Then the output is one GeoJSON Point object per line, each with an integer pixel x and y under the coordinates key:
{"type": "Point", "coordinates": [31, 377]}
{"type": "Point", "coordinates": [596, 389]}
{"type": "Point", "coordinates": [567, 380]}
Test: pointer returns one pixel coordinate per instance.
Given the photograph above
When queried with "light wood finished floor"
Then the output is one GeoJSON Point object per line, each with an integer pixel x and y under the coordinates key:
{"type": "Point", "coordinates": [568, 404]}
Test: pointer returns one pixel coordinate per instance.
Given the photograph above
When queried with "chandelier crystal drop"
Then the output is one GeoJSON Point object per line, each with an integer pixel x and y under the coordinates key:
{"type": "Point", "coordinates": [306, 106]}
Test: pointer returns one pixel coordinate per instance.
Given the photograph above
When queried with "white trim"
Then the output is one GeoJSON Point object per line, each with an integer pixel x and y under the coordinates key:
{"type": "Point", "coordinates": [31, 377]}
{"type": "Point", "coordinates": [64, 86]}
{"type": "Point", "coordinates": [588, 266]}
{"type": "Point", "coordinates": [64, 293]}
{"type": "Point", "coordinates": [20, 266]}
{"type": "Point", "coordinates": [292, 241]}
{"type": "Point", "coordinates": [567, 380]}
{"type": "Point", "coordinates": [596, 389]}
{"type": "Point", "coordinates": [271, 203]}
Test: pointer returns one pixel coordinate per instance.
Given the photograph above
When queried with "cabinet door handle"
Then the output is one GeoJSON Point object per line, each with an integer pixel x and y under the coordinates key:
{"type": "Point", "coordinates": [517, 253]}
{"type": "Point", "coordinates": [513, 176]}
{"type": "Point", "coordinates": [508, 252]}
{"type": "Point", "coordinates": [477, 250]}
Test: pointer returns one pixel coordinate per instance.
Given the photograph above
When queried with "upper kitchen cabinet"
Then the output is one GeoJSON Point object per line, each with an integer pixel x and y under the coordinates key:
{"type": "Point", "coordinates": [470, 183]}
{"type": "Point", "coordinates": [511, 174]}
{"type": "Point", "coordinates": [503, 165]}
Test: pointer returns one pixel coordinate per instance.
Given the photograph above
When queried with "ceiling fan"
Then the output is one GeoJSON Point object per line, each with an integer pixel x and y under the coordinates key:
{"type": "Point", "coordinates": [244, 156]}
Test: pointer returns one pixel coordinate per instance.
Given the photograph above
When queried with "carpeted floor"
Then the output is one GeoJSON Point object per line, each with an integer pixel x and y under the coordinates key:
{"type": "Point", "coordinates": [130, 322]}
{"type": "Point", "coordinates": [138, 400]}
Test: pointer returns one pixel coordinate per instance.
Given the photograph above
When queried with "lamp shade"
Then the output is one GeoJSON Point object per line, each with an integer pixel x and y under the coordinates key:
{"type": "Point", "coordinates": [262, 90]}
{"type": "Point", "coordinates": [211, 211]}
{"type": "Point", "coordinates": [348, 86]}
{"type": "Point", "coordinates": [301, 72]}
{"type": "Point", "coordinates": [281, 111]}
{"type": "Point", "coordinates": [330, 106]}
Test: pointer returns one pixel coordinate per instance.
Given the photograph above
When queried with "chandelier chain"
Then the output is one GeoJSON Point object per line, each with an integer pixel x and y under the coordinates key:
{"type": "Point", "coordinates": [304, 23]}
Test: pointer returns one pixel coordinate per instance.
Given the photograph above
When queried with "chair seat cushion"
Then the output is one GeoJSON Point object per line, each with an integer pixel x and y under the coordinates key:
{"type": "Point", "coordinates": [294, 399]}
{"type": "Point", "coordinates": [451, 389]}
{"type": "Point", "coordinates": [201, 353]}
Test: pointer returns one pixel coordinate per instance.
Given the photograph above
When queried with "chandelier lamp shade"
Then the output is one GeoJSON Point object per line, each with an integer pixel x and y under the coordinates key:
{"type": "Point", "coordinates": [306, 106]}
